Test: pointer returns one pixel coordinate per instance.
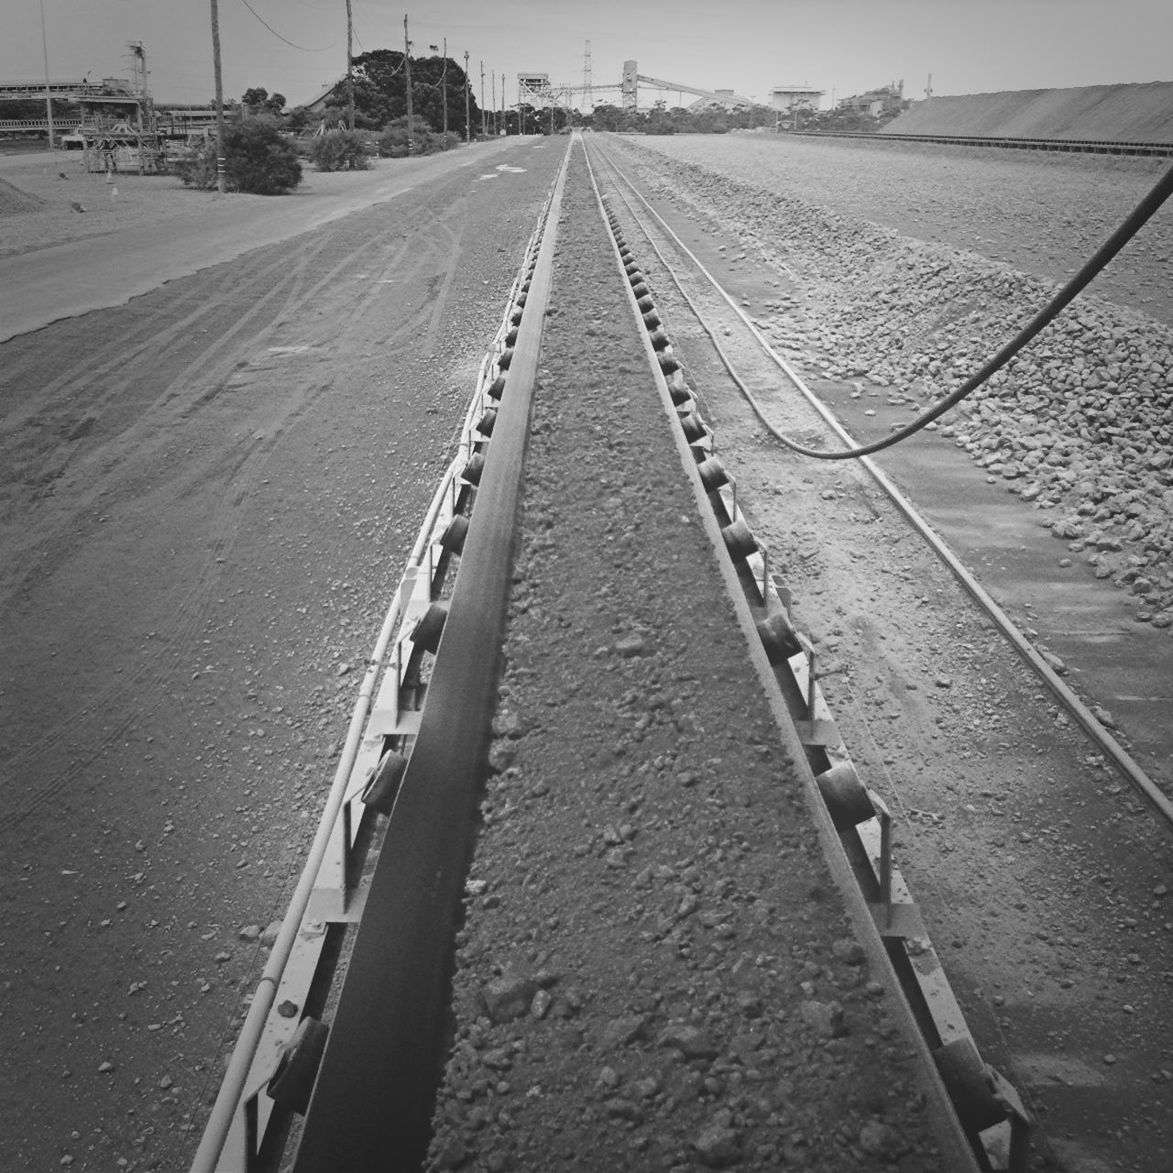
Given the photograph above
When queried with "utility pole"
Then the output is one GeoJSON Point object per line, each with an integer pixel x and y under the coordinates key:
{"type": "Point", "coordinates": [467, 128]}
{"type": "Point", "coordinates": [219, 96]}
{"type": "Point", "coordinates": [48, 97]}
{"type": "Point", "coordinates": [444, 87]}
{"type": "Point", "coordinates": [407, 80]}
{"type": "Point", "coordinates": [496, 114]}
{"type": "Point", "coordinates": [482, 99]}
{"type": "Point", "coordinates": [349, 70]}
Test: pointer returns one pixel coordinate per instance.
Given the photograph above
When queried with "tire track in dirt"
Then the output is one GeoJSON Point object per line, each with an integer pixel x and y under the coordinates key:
{"type": "Point", "coordinates": [139, 455]}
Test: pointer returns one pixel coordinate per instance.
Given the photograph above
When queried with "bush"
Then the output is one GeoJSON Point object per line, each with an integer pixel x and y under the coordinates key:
{"type": "Point", "coordinates": [340, 150]}
{"type": "Point", "coordinates": [256, 159]}
{"type": "Point", "coordinates": [425, 141]}
{"type": "Point", "coordinates": [197, 166]}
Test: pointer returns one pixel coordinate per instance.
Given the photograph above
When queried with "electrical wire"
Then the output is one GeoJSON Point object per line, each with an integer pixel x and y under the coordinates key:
{"type": "Point", "coordinates": [300, 48]}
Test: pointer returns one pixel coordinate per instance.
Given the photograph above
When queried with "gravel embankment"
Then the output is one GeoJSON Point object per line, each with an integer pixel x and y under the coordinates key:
{"type": "Point", "coordinates": [1131, 112]}
{"type": "Point", "coordinates": [655, 971]}
{"type": "Point", "coordinates": [1080, 423]}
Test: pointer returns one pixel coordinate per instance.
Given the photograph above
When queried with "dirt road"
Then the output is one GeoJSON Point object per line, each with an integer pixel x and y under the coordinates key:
{"type": "Point", "coordinates": [206, 496]}
{"type": "Point", "coordinates": [119, 240]}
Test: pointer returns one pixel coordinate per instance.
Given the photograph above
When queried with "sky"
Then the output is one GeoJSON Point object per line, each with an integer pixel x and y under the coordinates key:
{"type": "Point", "coordinates": [839, 46]}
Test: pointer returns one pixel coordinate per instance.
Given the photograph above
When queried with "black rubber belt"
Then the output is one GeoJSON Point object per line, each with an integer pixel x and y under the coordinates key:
{"type": "Point", "coordinates": [372, 1104]}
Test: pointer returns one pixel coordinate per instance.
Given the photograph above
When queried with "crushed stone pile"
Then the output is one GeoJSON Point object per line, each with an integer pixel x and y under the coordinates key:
{"type": "Point", "coordinates": [1114, 113]}
{"type": "Point", "coordinates": [14, 201]}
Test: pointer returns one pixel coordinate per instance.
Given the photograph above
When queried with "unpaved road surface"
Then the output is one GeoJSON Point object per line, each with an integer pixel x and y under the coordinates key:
{"type": "Point", "coordinates": [83, 241]}
{"type": "Point", "coordinates": [206, 496]}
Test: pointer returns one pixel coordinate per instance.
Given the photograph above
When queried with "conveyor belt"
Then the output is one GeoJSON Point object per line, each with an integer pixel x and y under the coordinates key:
{"type": "Point", "coordinates": [373, 1097]}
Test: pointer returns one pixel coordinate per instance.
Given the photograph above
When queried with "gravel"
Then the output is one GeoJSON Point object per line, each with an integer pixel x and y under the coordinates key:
{"type": "Point", "coordinates": [1080, 423]}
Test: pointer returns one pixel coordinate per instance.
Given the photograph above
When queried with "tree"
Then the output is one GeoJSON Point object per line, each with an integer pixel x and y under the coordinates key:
{"type": "Point", "coordinates": [608, 117]}
{"type": "Point", "coordinates": [299, 119]}
{"type": "Point", "coordinates": [259, 160]}
{"type": "Point", "coordinates": [256, 159]}
{"type": "Point", "coordinates": [380, 92]}
{"type": "Point", "coordinates": [258, 100]}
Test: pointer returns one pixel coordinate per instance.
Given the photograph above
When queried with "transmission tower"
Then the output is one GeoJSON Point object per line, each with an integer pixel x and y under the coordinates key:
{"type": "Point", "coordinates": [586, 78]}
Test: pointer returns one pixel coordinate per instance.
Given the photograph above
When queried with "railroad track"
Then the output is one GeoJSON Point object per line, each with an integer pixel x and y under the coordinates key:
{"type": "Point", "coordinates": [420, 728]}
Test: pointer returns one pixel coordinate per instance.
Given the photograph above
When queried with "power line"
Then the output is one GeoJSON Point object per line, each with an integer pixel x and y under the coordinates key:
{"type": "Point", "coordinates": [300, 48]}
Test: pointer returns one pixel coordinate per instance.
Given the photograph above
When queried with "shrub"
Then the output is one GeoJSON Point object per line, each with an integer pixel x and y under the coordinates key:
{"type": "Point", "coordinates": [425, 141]}
{"type": "Point", "coordinates": [340, 150]}
{"type": "Point", "coordinates": [197, 166]}
{"type": "Point", "coordinates": [256, 159]}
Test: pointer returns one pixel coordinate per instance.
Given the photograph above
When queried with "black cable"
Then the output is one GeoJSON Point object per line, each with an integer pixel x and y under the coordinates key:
{"type": "Point", "coordinates": [301, 48]}
{"type": "Point", "coordinates": [1127, 230]}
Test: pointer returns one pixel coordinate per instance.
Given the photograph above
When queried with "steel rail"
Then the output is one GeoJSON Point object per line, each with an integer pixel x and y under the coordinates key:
{"type": "Point", "coordinates": [1158, 802]}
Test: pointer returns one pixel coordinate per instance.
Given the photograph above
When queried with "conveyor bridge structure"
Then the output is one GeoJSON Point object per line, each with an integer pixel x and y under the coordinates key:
{"type": "Point", "coordinates": [534, 89]}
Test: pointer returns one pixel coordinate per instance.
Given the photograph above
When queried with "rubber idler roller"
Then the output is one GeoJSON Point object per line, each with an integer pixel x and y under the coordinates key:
{"type": "Point", "coordinates": [681, 393]}
{"type": "Point", "coordinates": [846, 796]}
{"type": "Point", "coordinates": [712, 473]}
{"type": "Point", "coordinates": [504, 359]}
{"type": "Point", "coordinates": [474, 469]}
{"type": "Point", "coordinates": [693, 427]}
{"type": "Point", "coordinates": [658, 339]}
{"type": "Point", "coordinates": [293, 1080]}
{"type": "Point", "coordinates": [429, 627]}
{"type": "Point", "coordinates": [453, 537]}
{"type": "Point", "coordinates": [739, 540]}
{"type": "Point", "coordinates": [486, 422]}
{"type": "Point", "coordinates": [383, 785]}
{"type": "Point", "coordinates": [969, 1085]}
{"type": "Point", "coordinates": [651, 319]}
{"type": "Point", "coordinates": [779, 639]}
{"type": "Point", "coordinates": [511, 337]}
{"type": "Point", "coordinates": [668, 363]}
{"type": "Point", "coordinates": [639, 288]}
{"type": "Point", "coordinates": [515, 317]}
{"type": "Point", "coordinates": [496, 387]}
